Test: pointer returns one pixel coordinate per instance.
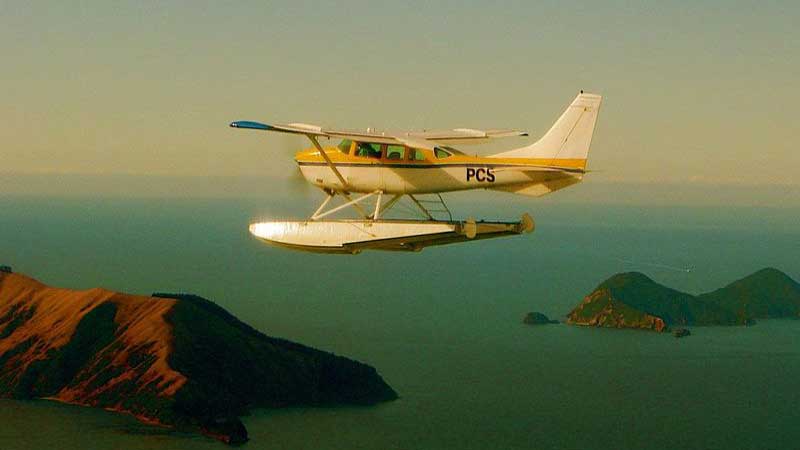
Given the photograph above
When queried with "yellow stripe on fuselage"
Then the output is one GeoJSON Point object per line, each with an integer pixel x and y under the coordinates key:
{"type": "Point", "coordinates": [336, 156]}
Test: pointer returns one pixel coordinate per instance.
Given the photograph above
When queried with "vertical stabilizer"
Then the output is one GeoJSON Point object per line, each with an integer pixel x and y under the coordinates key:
{"type": "Point", "coordinates": [569, 138]}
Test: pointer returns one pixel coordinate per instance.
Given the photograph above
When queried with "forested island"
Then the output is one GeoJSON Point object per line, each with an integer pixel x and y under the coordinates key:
{"type": "Point", "coordinates": [633, 300]}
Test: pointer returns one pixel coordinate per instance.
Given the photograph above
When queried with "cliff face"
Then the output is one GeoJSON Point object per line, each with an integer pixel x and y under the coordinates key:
{"type": "Point", "coordinates": [632, 300]}
{"type": "Point", "coordinates": [90, 347]}
{"type": "Point", "coordinates": [175, 360]}
{"type": "Point", "coordinates": [602, 309]}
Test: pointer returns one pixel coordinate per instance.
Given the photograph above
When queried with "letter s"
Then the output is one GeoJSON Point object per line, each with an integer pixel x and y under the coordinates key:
{"type": "Point", "coordinates": [490, 175]}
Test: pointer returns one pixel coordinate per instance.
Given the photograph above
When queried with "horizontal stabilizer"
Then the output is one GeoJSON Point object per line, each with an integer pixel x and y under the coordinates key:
{"type": "Point", "coordinates": [543, 168]}
{"type": "Point", "coordinates": [544, 183]}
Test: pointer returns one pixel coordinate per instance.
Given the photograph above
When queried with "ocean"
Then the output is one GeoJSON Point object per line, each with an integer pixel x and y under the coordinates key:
{"type": "Point", "coordinates": [444, 326]}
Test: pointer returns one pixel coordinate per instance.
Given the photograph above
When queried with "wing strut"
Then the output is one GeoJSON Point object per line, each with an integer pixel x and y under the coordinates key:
{"type": "Point", "coordinates": [327, 159]}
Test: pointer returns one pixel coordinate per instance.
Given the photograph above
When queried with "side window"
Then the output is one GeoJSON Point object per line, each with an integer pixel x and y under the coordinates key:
{"type": "Point", "coordinates": [415, 154]}
{"type": "Point", "coordinates": [441, 154]}
{"type": "Point", "coordinates": [368, 150]}
{"type": "Point", "coordinates": [395, 152]}
{"type": "Point", "coordinates": [345, 145]}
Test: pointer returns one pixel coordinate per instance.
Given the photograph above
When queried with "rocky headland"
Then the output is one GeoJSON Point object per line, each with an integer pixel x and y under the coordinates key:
{"type": "Point", "coordinates": [632, 300]}
{"type": "Point", "coordinates": [172, 360]}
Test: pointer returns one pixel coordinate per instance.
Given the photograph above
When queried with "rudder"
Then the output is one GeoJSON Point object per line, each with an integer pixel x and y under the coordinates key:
{"type": "Point", "coordinates": [571, 135]}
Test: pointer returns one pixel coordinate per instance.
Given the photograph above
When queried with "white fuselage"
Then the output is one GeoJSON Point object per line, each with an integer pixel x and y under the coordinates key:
{"type": "Point", "coordinates": [424, 178]}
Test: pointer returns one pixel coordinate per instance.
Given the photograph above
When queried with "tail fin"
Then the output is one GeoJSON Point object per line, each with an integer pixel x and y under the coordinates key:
{"type": "Point", "coordinates": [570, 136]}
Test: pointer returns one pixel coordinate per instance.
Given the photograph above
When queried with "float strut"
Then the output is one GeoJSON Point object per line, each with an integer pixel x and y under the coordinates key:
{"type": "Point", "coordinates": [378, 210]}
{"type": "Point", "coordinates": [353, 203]}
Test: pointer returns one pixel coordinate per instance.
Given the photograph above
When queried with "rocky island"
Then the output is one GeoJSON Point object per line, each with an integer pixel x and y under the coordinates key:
{"type": "Point", "coordinates": [632, 300]}
{"type": "Point", "coordinates": [173, 360]}
{"type": "Point", "coordinates": [537, 318]}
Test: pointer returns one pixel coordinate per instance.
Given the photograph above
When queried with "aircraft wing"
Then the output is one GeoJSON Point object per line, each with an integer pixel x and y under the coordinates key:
{"type": "Point", "coordinates": [465, 135]}
{"type": "Point", "coordinates": [316, 131]}
{"type": "Point", "coordinates": [420, 139]}
{"type": "Point", "coordinates": [379, 138]}
{"type": "Point", "coordinates": [293, 128]}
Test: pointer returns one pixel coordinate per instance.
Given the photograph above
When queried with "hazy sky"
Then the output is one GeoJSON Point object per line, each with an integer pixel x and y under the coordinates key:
{"type": "Point", "coordinates": [700, 91]}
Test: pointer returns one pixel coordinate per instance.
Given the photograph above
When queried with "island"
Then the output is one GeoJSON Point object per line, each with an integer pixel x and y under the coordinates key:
{"type": "Point", "coordinates": [178, 361]}
{"type": "Point", "coordinates": [537, 318]}
{"type": "Point", "coordinates": [681, 332]}
{"type": "Point", "coordinates": [633, 300]}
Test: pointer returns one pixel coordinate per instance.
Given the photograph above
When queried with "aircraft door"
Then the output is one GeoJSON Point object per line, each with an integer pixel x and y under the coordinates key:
{"type": "Point", "coordinates": [392, 177]}
{"type": "Point", "coordinates": [365, 176]}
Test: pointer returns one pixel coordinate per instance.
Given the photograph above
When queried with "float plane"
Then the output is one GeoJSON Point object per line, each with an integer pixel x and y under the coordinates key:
{"type": "Point", "coordinates": [372, 171]}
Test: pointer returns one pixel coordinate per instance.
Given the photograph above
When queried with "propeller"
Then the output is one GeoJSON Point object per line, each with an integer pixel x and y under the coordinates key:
{"type": "Point", "coordinates": [297, 182]}
{"type": "Point", "coordinates": [294, 180]}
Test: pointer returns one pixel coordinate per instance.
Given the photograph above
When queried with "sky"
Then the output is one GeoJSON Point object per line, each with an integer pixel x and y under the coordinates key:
{"type": "Point", "coordinates": [693, 93]}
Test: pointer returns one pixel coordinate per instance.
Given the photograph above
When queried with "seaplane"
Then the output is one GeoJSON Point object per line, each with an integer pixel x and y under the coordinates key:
{"type": "Point", "coordinates": [371, 171]}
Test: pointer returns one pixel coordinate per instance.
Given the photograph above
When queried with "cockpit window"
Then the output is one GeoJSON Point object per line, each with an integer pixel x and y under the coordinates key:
{"type": "Point", "coordinates": [415, 154]}
{"type": "Point", "coordinates": [440, 154]}
{"type": "Point", "coordinates": [396, 152]}
{"type": "Point", "coordinates": [368, 150]}
{"type": "Point", "coordinates": [345, 145]}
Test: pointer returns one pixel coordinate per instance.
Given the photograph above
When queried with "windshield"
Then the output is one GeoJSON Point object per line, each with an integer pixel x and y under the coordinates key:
{"type": "Point", "coordinates": [345, 145]}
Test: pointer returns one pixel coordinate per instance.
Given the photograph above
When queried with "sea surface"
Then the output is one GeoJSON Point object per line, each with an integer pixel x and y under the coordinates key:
{"type": "Point", "coordinates": [444, 326]}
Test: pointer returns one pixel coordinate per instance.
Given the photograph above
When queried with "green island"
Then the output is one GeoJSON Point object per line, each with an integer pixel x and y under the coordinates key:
{"type": "Point", "coordinates": [633, 300]}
